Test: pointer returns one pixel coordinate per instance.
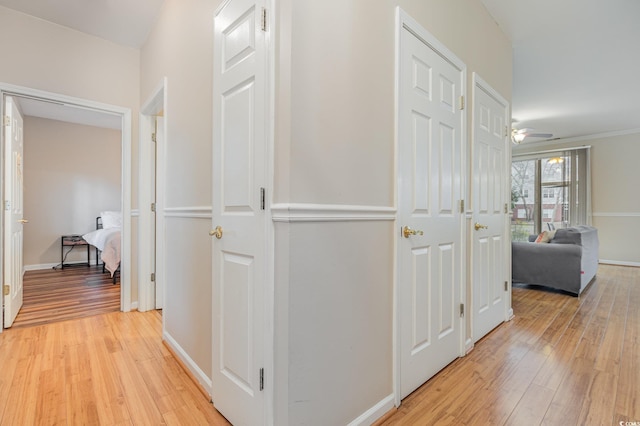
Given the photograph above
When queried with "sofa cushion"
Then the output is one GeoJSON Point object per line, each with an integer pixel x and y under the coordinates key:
{"type": "Point", "coordinates": [568, 236]}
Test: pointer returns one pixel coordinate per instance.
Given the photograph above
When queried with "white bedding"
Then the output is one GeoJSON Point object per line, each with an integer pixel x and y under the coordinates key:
{"type": "Point", "coordinates": [108, 242]}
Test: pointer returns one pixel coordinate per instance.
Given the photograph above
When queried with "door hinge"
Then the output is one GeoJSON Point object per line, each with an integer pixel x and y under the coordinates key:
{"type": "Point", "coordinates": [506, 286]}
{"type": "Point", "coordinates": [153, 277]}
{"type": "Point", "coordinates": [461, 206]}
{"type": "Point", "coordinates": [153, 137]}
{"type": "Point", "coordinates": [461, 102]}
{"type": "Point", "coordinates": [461, 309]}
{"type": "Point", "coordinates": [6, 289]}
{"type": "Point", "coordinates": [262, 379]}
{"type": "Point", "coordinates": [7, 205]}
{"type": "Point", "coordinates": [262, 198]}
{"type": "Point", "coordinates": [6, 120]}
{"type": "Point", "coordinates": [506, 208]}
{"type": "Point", "coordinates": [506, 131]}
{"type": "Point", "coordinates": [263, 20]}
{"type": "Point", "coordinates": [153, 207]}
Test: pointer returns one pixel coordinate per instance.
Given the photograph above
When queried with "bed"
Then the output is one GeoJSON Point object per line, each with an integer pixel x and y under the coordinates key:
{"type": "Point", "coordinates": [106, 239]}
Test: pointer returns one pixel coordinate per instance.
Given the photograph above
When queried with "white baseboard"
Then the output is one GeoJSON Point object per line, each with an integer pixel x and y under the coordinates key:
{"type": "Point", "coordinates": [619, 262]}
{"type": "Point", "coordinates": [468, 346]}
{"type": "Point", "coordinates": [374, 413]}
{"type": "Point", "coordinates": [200, 376]}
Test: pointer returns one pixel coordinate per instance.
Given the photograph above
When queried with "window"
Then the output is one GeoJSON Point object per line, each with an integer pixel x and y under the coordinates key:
{"type": "Point", "coordinates": [558, 182]}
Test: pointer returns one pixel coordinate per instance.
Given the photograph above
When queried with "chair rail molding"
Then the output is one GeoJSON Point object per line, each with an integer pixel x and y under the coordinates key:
{"type": "Point", "coordinates": [194, 212]}
{"type": "Point", "coordinates": [615, 214]}
{"type": "Point", "coordinates": [303, 212]}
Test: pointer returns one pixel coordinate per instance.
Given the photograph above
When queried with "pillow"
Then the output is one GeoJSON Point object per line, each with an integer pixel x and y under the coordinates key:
{"type": "Point", "coordinates": [545, 236]}
{"type": "Point", "coordinates": [111, 219]}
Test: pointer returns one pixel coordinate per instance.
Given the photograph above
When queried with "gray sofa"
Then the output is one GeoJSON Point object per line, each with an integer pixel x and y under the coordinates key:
{"type": "Point", "coordinates": [568, 262]}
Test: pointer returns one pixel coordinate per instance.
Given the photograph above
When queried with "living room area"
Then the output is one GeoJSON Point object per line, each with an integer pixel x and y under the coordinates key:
{"type": "Point", "coordinates": [549, 192]}
{"type": "Point", "coordinates": [575, 129]}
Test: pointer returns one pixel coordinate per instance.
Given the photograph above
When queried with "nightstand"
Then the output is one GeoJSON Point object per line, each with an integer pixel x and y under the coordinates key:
{"type": "Point", "coordinates": [71, 241]}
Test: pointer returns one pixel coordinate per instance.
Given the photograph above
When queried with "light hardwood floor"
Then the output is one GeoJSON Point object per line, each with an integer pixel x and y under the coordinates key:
{"type": "Point", "coordinates": [109, 369]}
{"type": "Point", "coordinates": [561, 361]}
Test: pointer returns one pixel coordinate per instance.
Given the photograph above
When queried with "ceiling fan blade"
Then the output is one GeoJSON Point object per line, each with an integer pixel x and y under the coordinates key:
{"type": "Point", "coordinates": [539, 135]}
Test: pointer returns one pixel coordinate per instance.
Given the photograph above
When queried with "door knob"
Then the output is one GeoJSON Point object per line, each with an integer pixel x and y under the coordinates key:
{"type": "Point", "coordinates": [217, 232]}
{"type": "Point", "coordinates": [479, 227]}
{"type": "Point", "coordinates": [407, 232]}
{"type": "Point", "coordinates": [23, 221]}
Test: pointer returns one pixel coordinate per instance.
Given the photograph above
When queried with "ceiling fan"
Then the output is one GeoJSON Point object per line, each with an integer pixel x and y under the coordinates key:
{"type": "Point", "coordinates": [517, 136]}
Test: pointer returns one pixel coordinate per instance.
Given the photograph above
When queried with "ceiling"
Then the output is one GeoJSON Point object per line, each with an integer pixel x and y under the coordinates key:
{"type": "Point", "coordinates": [575, 64]}
{"type": "Point", "coordinates": [575, 61]}
{"type": "Point", "coordinates": [126, 22]}
{"type": "Point", "coordinates": [69, 113]}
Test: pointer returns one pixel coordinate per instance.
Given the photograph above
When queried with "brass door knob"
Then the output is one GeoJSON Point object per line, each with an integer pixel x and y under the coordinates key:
{"type": "Point", "coordinates": [23, 221]}
{"type": "Point", "coordinates": [216, 232]}
{"type": "Point", "coordinates": [479, 227]}
{"type": "Point", "coordinates": [407, 232]}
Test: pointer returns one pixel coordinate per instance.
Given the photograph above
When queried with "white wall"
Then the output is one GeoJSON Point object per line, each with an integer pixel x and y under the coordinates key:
{"type": "Point", "coordinates": [615, 205]}
{"type": "Point", "coordinates": [71, 173]}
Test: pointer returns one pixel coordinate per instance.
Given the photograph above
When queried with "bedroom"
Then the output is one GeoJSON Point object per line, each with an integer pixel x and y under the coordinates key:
{"type": "Point", "coordinates": [72, 173]}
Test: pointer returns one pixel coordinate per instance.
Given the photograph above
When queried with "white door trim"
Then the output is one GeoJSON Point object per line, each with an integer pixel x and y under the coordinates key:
{"type": "Point", "coordinates": [125, 114]}
{"type": "Point", "coordinates": [480, 84]}
{"type": "Point", "coordinates": [405, 21]}
{"type": "Point", "coordinates": [155, 104]}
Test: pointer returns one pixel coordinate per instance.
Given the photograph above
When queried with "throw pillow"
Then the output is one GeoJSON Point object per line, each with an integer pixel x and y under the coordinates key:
{"type": "Point", "coordinates": [550, 235]}
{"type": "Point", "coordinates": [541, 237]}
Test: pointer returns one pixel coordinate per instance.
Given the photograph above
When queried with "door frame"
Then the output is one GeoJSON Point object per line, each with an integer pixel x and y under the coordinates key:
{"type": "Point", "coordinates": [480, 84]}
{"type": "Point", "coordinates": [155, 104]}
{"type": "Point", "coordinates": [404, 20]}
{"type": "Point", "coordinates": [125, 192]}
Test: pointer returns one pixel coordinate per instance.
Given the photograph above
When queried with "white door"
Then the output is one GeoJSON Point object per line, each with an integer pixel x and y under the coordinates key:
{"type": "Point", "coordinates": [13, 220]}
{"type": "Point", "coordinates": [430, 269]}
{"type": "Point", "coordinates": [490, 206]}
{"type": "Point", "coordinates": [239, 168]}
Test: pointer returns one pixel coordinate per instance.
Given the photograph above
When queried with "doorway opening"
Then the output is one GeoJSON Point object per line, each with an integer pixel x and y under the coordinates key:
{"type": "Point", "coordinates": [153, 123]}
{"type": "Point", "coordinates": [61, 108]}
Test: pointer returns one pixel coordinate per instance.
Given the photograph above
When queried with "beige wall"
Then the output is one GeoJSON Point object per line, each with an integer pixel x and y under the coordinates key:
{"type": "Point", "coordinates": [336, 91]}
{"type": "Point", "coordinates": [180, 48]}
{"type": "Point", "coordinates": [71, 174]}
{"type": "Point", "coordinates": [50, 57]}
{"type": "Point", "coordinates": [45, 56]}
{"type": "Point", "coordinates": [334, 144]}
{"type": "Point", "coordinates": [615, 205]}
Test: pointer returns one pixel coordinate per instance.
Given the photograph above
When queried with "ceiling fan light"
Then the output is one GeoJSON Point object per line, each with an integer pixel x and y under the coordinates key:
{"type": "Point", "coordinates": [518, 137]}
